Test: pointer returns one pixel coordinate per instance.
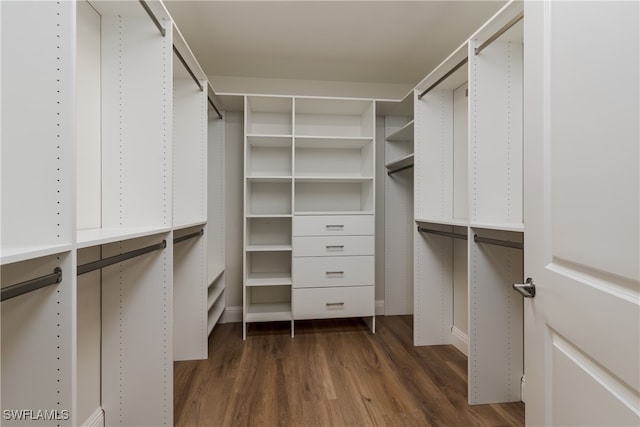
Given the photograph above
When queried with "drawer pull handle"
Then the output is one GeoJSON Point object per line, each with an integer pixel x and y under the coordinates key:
{"type": "Point", "coordinates": [335, 247]}
{"type": "Point", "coordinates": [335, 304]}
{"type": "Point", "coordinates": [335, 273]}
{"type": "Point", "coordinates": [335, 226]}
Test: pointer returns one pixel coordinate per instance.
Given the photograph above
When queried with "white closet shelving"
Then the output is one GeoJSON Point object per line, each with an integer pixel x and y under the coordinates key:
{"type": "Point", "coordinates": [114, 170]}
{"type": "Point", "coordinates": [216, 295]}
{"type": "Point", "coordinates": [398, 124]}
{"type": "Point", "coordinates": [304, 157]}
{"type": "Point", "coordinates": [190, 143]}
{"type": "Point", "coordinates": [468, 162]}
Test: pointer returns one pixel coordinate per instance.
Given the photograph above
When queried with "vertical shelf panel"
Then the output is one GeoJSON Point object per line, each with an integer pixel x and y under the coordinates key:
{"type": "Point", "coordinates": [137, 360]}
{"type": "Point", "coordinates": [496, 133]}
{"type": "Point", "coordinates": [495, 320]}
{"type": "Point", "coordinates": [38, 341]}
{"type": "Point", "coordinates": [38, 133]}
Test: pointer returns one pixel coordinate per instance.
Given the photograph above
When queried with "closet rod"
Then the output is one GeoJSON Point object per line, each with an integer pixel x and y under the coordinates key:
{"type": "Point", "coordinates": [497, 242]}
{"type": "Point", "coordinates": [144, 4]}
{"type": "Point", "coordinates": [193, 76]}
{"type": "Point", "coordinates": [188, 236]}
{"type": "Point", "coordinates": [391, 172]}
{"type": "Point", "coordinates": [500, 32]}
{"type": "Point", "coordinates": [443, 233]}
{"type": "Point", "coordinates": [31, 285]}
{"type": "Point", "coordinates": [215, 108]}
{"type": "Point", "coordinates": [96, 265]}
{"type": "Point", "coordinates": [443, 78]}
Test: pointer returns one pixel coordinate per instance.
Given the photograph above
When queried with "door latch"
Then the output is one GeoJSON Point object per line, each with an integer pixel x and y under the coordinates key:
{"type": "Point", "coordinates": [527, 290]}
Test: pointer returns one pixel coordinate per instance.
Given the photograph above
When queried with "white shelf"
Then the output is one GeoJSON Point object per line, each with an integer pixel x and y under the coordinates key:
{"type": "Point", "coordinates": [303, 213]}
{"type": "Point", "coordinates": [519, 228]}
{"type": "Point", "coordinates": [452, 221]}
{"type": "Point", "coordinates": [267, 178]}
{"type": "Point", "coordinates": [333, 179]}
{"type": "Point", "coordinates": [347, 142]}
{"type": "Point", "coordinates": [405, 134]}
{"type": "Point", "coordinates": [268, 248]}
{"type": "Point", "coordinates": [213, 296]}
{"type": "Point", "coordinates": [269, 140]}
{"type": "Point", "coordinates": [102, 236]}
{"type": "Point", "coordinates": [214, 273]}
{"type": "Point", "coordinates": [177, 227]}
{"type": "Point", "coordinates": [269, 215]}
{"type": "Point", "coordinates": [400, 163]}
{"type": "Point", "coordinates": [17, 254]}
{"type": "Point", "coordinates": [271, 312]}
{"type": "Point", "coordinates": [213, 316]}
{"type": "Point", "coordinates": [268, 279]}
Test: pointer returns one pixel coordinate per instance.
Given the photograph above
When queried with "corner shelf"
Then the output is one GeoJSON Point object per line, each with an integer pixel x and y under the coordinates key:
{"type": "Point", "coordinates": [403, 163]}
{"type": "Point", "coordinates": [404, 134]}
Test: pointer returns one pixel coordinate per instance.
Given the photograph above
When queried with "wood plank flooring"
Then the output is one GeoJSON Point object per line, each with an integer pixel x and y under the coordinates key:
{"type": "Point", "coordinates": [333, 373]}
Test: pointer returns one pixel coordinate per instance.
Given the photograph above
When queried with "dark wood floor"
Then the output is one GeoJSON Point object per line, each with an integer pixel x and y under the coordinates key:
{"type": "Point", "coordinates": [333, 373]}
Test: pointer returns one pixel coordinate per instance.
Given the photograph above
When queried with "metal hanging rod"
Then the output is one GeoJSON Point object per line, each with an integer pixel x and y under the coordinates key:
{"type": "Point", "coordinates": [497, 242]}
{"type": "Point", "coordinates": [500, 32]}
{"type": "Point", "coordinates": [188, 236]}
{"type": "Point", "coordinates": [31, 285]}
{"type": "Point", "coordinates": [96, 265]}
{"type": "Point", "coordinates": [146, 7]}
{"type": "Point", "coordinates": [193, 76]}
{"type": "Point", "coordinates": [443, 78]}
{"type": "Point", "coordinates": [391, 172]}
{"type": "Point", "coordinates": [215, 108]}
{"type": "Point", "coordinates": [443, 233]}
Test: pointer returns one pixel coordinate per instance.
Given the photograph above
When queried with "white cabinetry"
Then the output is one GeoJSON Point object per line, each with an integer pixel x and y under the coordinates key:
{"type": "Point", "coordinates": [468, 186]}
{"type": "Point", "coordinates": [309, 195]}
{"type": "Point", "coordinates": [103, 167]}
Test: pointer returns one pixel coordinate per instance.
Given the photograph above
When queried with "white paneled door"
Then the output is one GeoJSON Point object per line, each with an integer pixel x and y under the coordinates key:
{"type": "Point", "coordinates": [582, 219]}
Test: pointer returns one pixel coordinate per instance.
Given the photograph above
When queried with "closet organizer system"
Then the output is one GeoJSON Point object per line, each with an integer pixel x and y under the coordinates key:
{"type": "Point", "coordinates": [469, 207]}
{"type": "Point", "coordinates": [112, 221]}
{"type": "Point", "coordinates": [309, 209]}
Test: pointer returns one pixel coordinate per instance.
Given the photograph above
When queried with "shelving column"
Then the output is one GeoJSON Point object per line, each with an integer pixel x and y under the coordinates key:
{"type": "Point", "coordinates": [268, 192]}
{"type": "Point", "coordinates": [38, 224]}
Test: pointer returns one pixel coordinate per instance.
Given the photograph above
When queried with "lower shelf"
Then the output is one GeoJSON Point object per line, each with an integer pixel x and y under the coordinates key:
{"type": "Point", "coordinates": [268, 312]}
{"type": "Point", "coordinates": [215, 312]}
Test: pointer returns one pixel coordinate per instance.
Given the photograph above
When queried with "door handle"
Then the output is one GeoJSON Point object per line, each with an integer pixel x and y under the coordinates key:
{"type": "Point", "coordinates": [527, 290]}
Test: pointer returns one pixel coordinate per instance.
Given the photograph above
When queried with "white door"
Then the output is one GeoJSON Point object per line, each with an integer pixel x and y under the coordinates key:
{"type": "Point", "coordinates": [582, 219]}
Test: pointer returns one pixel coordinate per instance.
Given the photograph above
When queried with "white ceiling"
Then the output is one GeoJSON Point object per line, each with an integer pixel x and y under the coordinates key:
{"type": "Point", "coordinates": [381, 42]}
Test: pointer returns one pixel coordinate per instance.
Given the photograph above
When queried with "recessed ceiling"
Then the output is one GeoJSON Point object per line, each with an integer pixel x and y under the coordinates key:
{"type": "Point", "coordinates": [383, 42]}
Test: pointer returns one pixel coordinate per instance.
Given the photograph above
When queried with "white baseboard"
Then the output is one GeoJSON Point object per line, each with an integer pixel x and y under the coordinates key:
{"type": "Point", "coordinates": [234, 314]}
{"type": "Point", "coordinates": [95, 420]}
{"type": "Point", "coordinates": [460, 340]}
{"type": "Point", "coordinates": [522, 389]}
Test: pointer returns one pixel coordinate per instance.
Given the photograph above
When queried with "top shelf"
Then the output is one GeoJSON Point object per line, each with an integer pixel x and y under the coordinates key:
{"type": "Point", "coordinates": [404, 134]}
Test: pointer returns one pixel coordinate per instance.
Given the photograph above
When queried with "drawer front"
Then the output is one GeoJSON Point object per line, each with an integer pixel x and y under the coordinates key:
{"type": "Point", "coordinates": [333, 225]}
{"type": "Point", "coordinates": [333, 246]}
{"type": "Point", "coordinates": [325, 303]}
{"type": "Point", "coordinates": [315, 272]}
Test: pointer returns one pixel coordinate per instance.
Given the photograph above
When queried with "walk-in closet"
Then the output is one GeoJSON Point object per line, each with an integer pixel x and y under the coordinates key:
{"type": "Point", "coordinates": [219, 213]}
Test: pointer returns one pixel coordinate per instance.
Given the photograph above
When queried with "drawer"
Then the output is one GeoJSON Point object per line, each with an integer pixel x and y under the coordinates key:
{"type": "Point", "coordinates": [315, 272]}
{"type": "Point", "coordinates": [333, 225]}
{"type": "Point", "coordinates": [333, 246]}
{"type": "Point", "coordinates": [324, 303]}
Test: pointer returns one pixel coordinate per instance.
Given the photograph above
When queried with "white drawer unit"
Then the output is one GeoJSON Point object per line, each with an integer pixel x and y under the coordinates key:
{"type": "Point", "coordinates": [333, 246]}
{"type": "Point", "coordinates": [316, 272]}
{"type": "Point", "coordinates": [333, 225]}
{"type": "Point", "coordinates": [324, 303]}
